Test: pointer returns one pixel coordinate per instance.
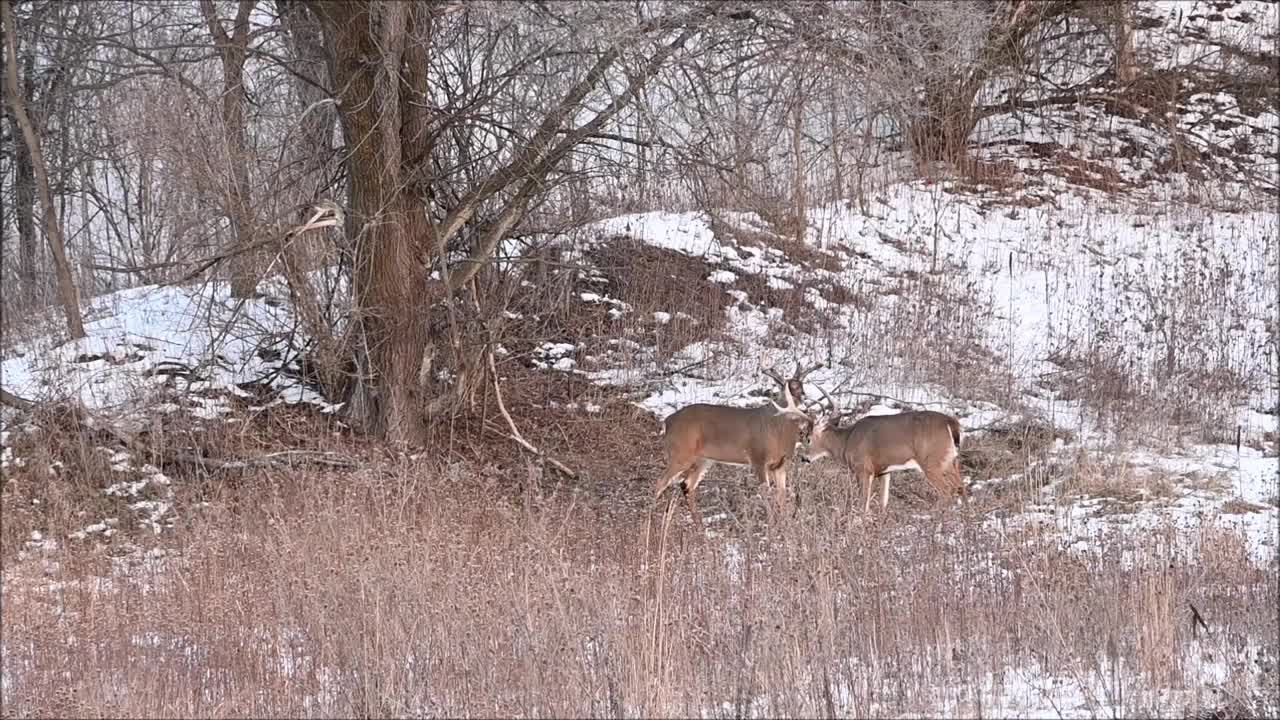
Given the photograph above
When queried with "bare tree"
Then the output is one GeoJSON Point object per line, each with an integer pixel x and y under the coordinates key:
{"type": "Point", "coordinates": [931, 61]}
{"type": "Point", "coordinates": [232, 50]}
{"type": "Point", "coordinates": [1126, 59]}
{"type": "Point", "coordinates": [24, 181]}
{"type": "Point", "coordinates": [396, 131]}
{"type": "Point", "coordinates": [67, 291]}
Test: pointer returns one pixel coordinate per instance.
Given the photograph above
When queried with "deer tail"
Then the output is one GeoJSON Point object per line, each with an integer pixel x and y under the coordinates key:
{"type": "Point", "coordinates": [954, 425]}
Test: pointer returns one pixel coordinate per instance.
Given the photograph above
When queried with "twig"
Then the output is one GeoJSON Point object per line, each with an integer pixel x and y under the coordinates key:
{"type": "Point", "coordinates": [683, 370]}
{"type": "Point", "coordinates": [890, 397]}
{"type": "Point", "coordinates": [515, 432]}
{"type": "Point", "coordinates": [327, 214]}
{"type": "Point", "coordinates": [1197, 621]}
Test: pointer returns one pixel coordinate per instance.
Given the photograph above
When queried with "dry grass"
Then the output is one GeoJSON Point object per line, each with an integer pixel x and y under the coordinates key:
{"type": "Point", "coordinates": [408, 589]}
{"type": "Point", "coordinates": [651, 280]}
{"type": "Point", "coordinates": [1111, 477]}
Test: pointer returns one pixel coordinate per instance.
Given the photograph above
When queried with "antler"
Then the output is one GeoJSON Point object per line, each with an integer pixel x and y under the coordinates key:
{"type": "Point", "coordinates": [776, 377]}
{"type": "Point", "coordinates": [790, 408]}
{"type": "Point", "coordinates": [802, 374]}
{"type": "Point", "coordinates": [830, 402]}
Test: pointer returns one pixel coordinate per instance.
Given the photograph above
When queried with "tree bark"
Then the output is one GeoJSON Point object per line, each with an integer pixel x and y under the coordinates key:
{"type": "Point", "coordinates": [388, 224]}
{"type": "Point", "coordinates": [67, 291]}
{"type": "Point", "coordinates": [232, 50]}
{"type": "Point", "coordinates": [1126, 59]}
{"type": "Point", "coordinates": [24, 187]}
{"type": "Point", "coordinates": [799, 188]}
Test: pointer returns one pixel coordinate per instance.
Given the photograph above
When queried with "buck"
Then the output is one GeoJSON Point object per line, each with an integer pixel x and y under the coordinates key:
{"type": "Point", "coordinates": [877, 445]}
{"type": "Point", "coordinates": [698, 436]}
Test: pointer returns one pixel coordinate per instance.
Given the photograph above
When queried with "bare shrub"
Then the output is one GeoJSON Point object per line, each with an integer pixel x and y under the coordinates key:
{"type": "Point", "coordinates": [654, 280]}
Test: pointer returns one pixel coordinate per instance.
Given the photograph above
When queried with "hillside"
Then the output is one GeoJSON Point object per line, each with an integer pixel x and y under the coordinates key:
{"type": "Point", "coordinates": [1043, 328]}
{"type": "Point", "coordinates": [192, 527]}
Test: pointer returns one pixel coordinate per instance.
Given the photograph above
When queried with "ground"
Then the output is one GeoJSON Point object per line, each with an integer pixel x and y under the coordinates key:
{"type": "Point", "coordinates": [207, 535]}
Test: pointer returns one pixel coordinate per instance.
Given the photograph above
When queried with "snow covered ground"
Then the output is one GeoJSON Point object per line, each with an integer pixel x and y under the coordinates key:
{"type": "Point", "coordinates": [1050, 278]}
{"type": "Point", "coordinates": [1053, 278]}
{"type": "Point", "coordinates": [195, 339]}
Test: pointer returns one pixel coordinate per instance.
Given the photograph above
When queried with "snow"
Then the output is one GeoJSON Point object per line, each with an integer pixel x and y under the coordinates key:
{"type": "Point", "coordinates": [555, 356]}
{"type": "Point", "coordinates": [1047, 274]}
{"type": "Point", "coordinates": [1195, 508]}
{"type": "Point", "coordinates": [1053, 270]}
{"type": "Point", "coordinates": [1055, 277]}
{"type": "Point", "coordinates": [137, 337]}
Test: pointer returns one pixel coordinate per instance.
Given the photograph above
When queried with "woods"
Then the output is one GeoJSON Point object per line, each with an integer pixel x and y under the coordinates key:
{"type": "Point", "coordinates": [160, 136]}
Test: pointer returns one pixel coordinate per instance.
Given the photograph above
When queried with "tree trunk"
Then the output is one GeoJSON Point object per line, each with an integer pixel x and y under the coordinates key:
{"type": "Point", "coordinates": [311, 150]}
{"type": "Point", "coordinates": [67, 292]}
{"type": "Point", "coordinates": [233, 49]}
{"type": "Point", "coordinates": [733, 196]}
{"type": "Point", "coordinates": [389, 224]}
{"type": "Point", "coordinates": [392, 303]}
{"type": "Point", "coordinates": [837, 163]}
{"type": "Point", "coordinates": [24, 189]}
{"type": "Point", "coordinates": [942, 134]}
{"type": "Point", "coordinates": [314, 144]}
{"type": "Point", "coordinates": [1126, 59]}
{"type": "Point", "coordinates": [24, 207]}
{"type": "Point", "coordinates": [799, 189]}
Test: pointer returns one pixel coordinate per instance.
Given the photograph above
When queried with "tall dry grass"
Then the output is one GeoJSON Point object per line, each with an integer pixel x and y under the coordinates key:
{"type": "Point", "coordinates": [408, 591]}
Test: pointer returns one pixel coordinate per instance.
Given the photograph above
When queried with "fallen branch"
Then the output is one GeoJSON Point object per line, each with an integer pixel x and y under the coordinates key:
{"type": "Point", "coordinates": [13, 401]}
{"type": "Point", "coordinates": [515, 432]}
{"type": "Point", "coordinates": [290, 458]}
{"type": "Point", "coordinates": [684, 370]}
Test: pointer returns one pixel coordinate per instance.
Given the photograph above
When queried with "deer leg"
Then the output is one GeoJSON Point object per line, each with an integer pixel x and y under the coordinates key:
{"type": "Point", "coordinates": [958, 481]}
{"type": "Point", "coordinates": [763, 474]}
{"type": "Point", "coordinates": [668, 477]}
{"type": "Point", "coordinates": [693, 507]}
{"type": "Point", "coordinates": [884, 491]}
{"type": "Point", "coordinates": [780, 478]}
{"type": "Point", "coordinates": [694, 477]}
{"type": "Point", "coordinates": [864, 478]}
{"type": "Point", "coordinates": [691, 487]}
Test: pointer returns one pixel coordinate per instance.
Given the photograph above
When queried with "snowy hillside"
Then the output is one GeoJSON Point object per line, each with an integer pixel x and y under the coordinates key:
{"type": "Point", "coordinates": [1020, 298]}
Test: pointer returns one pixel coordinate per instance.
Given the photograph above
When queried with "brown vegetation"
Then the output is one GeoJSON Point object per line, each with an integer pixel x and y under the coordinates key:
{"type": "Point", "coordinates": [413, 588]}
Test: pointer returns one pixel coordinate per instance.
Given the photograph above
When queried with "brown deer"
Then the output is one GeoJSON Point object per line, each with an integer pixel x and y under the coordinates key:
{"type": "Point", "coordinates": [876, 445]}
{"type": "Point", "coordinates": [698, 436]}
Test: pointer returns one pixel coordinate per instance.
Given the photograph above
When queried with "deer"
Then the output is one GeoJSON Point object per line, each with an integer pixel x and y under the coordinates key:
{"type": "Point", "coordinates": [877, 445]}
{"type": "Point", "coordinates": [698, 436]}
